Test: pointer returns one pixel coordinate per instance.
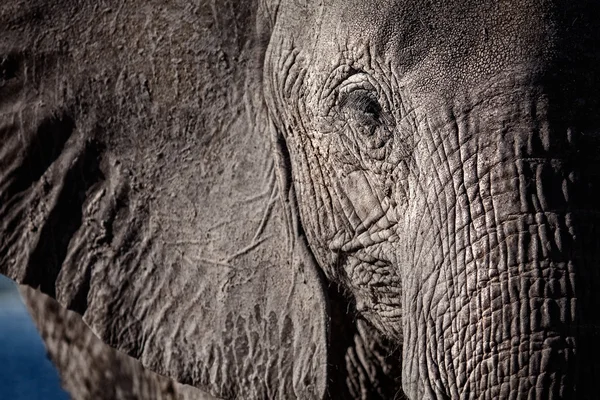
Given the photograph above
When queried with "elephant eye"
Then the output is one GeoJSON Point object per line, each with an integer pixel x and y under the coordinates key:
{"type": "Point", "coordinates": [362, 106]}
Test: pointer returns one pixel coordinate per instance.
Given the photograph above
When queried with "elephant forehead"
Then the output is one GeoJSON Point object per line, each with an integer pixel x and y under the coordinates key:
{"type": "Point", "coordinates": [433, 44]}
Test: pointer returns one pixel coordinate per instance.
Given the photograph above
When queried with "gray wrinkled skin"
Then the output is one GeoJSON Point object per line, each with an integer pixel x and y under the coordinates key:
{"type": "Point", "coordinates": [91, 370]}
{"type": "Point", "coordinates": [302, 199]}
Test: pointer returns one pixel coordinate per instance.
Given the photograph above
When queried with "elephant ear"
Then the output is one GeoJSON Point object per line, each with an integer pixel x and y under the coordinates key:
{"type": "Point", "coordinates": [138, 187]}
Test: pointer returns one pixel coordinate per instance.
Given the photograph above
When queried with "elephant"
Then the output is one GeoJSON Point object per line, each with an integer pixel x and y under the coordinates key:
{"type": "Point", "coordinates": [313, 199]}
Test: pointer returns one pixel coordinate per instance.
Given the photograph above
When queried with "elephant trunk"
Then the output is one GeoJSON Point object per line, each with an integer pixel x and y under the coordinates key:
{"type": "Point", "coordinates": [507, 305]}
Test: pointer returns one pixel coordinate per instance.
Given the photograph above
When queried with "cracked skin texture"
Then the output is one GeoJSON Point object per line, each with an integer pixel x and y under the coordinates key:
{"type": "Point", "coordinates": [304, 199]}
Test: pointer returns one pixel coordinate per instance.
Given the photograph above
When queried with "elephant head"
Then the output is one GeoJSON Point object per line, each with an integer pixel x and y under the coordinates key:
{"type": "Point", "coordinates": [312, 199]}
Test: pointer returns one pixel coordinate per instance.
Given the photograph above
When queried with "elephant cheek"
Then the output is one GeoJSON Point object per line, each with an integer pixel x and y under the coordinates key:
{"type": "Point", "coordinates": [365, 249]}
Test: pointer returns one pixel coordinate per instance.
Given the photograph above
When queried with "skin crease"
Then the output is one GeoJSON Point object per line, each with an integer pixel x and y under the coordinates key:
{"type": "Point", "coordinates": [310, 200]}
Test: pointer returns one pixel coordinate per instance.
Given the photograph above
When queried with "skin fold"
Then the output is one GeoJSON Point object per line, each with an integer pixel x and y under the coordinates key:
{"type": "Point", "coordinates": [302, 199]}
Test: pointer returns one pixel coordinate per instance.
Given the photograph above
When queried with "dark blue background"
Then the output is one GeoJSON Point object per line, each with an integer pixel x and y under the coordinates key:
{"type": "Point", "coordinates": [25, 371]}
